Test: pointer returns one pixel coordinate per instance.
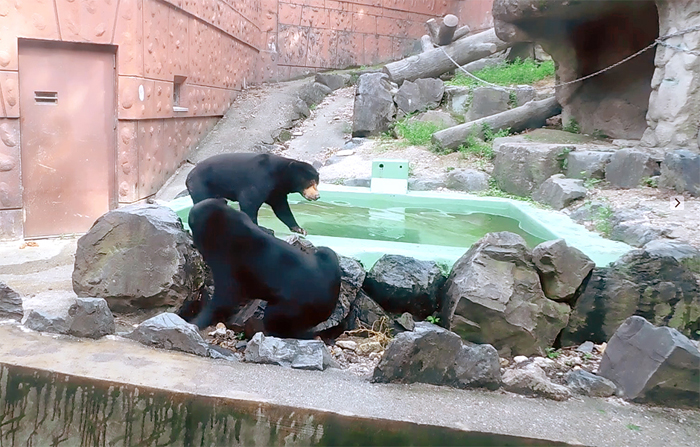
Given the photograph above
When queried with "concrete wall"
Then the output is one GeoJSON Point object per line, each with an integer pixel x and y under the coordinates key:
{"type": "Point", "coordinates": [217, 47]}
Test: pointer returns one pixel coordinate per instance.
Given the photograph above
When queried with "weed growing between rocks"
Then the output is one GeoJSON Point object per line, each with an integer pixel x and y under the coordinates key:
{"type": "Point", "coordinates": [415, 133]}
{"type": "Point", "coordinates": [572, 126]}
{"type": "Point", "coordinates": [517, 72]}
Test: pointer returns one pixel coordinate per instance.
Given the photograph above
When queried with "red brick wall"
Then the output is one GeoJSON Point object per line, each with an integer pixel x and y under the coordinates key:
{"type": "Point", "coordinates": [304, 36]}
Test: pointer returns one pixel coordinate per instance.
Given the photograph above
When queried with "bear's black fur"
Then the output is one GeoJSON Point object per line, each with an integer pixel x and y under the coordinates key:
{"type": "Point", "coordinates": [254, 179]}
{"type": "Point", "coordinates": [247, 263]}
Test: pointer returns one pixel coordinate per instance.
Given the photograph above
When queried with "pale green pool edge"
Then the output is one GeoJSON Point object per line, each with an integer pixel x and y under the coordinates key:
{"type": "Point", "coordinates": [543, 223]}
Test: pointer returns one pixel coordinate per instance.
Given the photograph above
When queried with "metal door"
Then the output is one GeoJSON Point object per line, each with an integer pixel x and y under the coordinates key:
{"type": "Point", "coordinates": [67, 123]}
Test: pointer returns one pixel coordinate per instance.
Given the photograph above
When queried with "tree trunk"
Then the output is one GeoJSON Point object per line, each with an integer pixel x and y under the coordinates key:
{"type": "Point", "coordinates": [529, 116]}
{"type": "Point", "coordinates": [426, 43]}
{"type": "Point", "coordinates": [447, 29]}
{"type": "Point", "coordinates": [433, 29]}
{"type": "Point", "coordinates": [461, 32]}
{"type": "Point", "coordinates": [433, 63]}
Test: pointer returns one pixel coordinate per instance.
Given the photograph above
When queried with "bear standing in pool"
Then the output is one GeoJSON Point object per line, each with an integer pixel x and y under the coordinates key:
{"type": "Point", "coordinates": [254, 179]}
{"type": "Point", "coordinates": [247, 263]}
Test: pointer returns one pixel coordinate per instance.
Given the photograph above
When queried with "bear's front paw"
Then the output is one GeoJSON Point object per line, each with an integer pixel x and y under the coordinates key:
{"type": "Point", "coordinates": [299, 230]}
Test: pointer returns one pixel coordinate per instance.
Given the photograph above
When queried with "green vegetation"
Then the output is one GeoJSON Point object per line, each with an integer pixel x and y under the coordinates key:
{"type": "Point", "coordinates": [505, 73]}
{"type": "Point", "coordinates": [416, 133]}
{"type": "Point", "coordinates": [551, 353]}
{"type": "Point", "coordinates": [495, 191]}
{"type": "Point", "coordinates": [587, 356]}
{"type": "Point", "coordinates": [603, 220]}
{"type": "Point", "coordinates": [650, 182]}
{"type": "Point", "coordinates": [432, 319]}
{"type": "Point", "coordinates": [591, 182]}
{"type": "Point", "coordinates": [444, 268]}
{"type": "Point", "coordinates": [572, 126]}
{"type": "Point", "coordinates": [634, 427]}
{"type": "Point", "coordinates": [482, 148]}
{"type": "Point", "coordinates": [563, 158]}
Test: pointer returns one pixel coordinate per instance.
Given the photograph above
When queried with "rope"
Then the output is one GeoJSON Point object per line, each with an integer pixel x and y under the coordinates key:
{"type": "Point", "coordinates": [659, 41]}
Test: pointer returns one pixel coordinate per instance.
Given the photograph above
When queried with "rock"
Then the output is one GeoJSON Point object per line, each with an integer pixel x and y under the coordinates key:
{"type": "Point", "coordinates": [347, 344]}
{"type": "Point", "coordinates": [531, 380]}
{"type": "Point", "coordinates": [521, 50]}
{"type": "Point", "coordinates": [403, 284]}
{"type": "Point", "coordinates": [587, 164]}
{"type": "Point", "coordinates": [562, 269]}
{"type": "Point", "coordinates": [627, 168]}
{"type": "Point", "coordinates": [441, 119]}
{"type": "Point", "coordinates": [365, 312]}
{"type": "Point", "coordinates": [351, 280]}
{"type": "Point", "coordinates": [91, 318]}
{"type": "Point", "coordinates": [249, 318]}
{"type": "Point", "coordinates": [313, 93]}
{"type": "Point", "coordinates": [10, 303]}
{"type": "Point", "coordinates": [493, 295]}
{"type": "Point", "coordinates": [333, 81]}
{"type": "Point", "coordinates": [374, 109]}
{"type": "Point", "coordinates": [586, 347]}
{"type": "Point", "coordinates": [582, 382]}
{"type": "Point", "coordinates": [301, 108]}
{"type": "Point", "coordinates": [524, 94]}
{"type": "Point", "coordinates": [361, 182]}
{"type": "Point", "coordinates": [636, 234]}
{"type": "Point", "coordinates": [457, 99]}
{"type": "Point", "coordinates": [168, 331]}
{"type": "Point", "coordinates": [519, 167]}
{"type": "Point", "coordinates": [290, 353]}
{"type": "Point", "coordinates": [369, 347]}
{"type": "Point", "coordinates": [419, 95]}
{"type": "Point", "coordinates": [428, 184]}
{"type": "Point", "coordinates": [656, 364]}
{"type": "Point", "coordinates": [467, 180]}
{"type": "Point", "coordinates": [588, 212]}
{"type": "Point", "coordinates": [520, 359]}
{"type": "Point", "coordinates": [559, 192]}
{"type": "Point", "coordinates": [431, 354]}
{"type": "Point", "coordinates": [405, 321]}
{"type": "Point", "coordinates": [42, 320]}
{"type": "Point", "coordinates": [681, 171]}
{"type": "Point", "coordinates": [684, 253]}
{"type": "Point", "coordinates": [138, 257]}
{"type": "Point", "coordinates": [487, 101]}
{"type": "Point", "coordinates": [639, 283]}
{"type": "Point", "coordinates": [301, 243]}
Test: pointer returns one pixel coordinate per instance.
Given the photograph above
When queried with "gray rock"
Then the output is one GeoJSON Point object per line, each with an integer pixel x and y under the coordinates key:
{"type": "Point", "coordinates": [640, 283]}
{"type": "Point", "coordinates": [360, 182]}
{"type": "Point", "coordinates": [588, 212]}
{"type": "Point", "coordinates": [334, 81]}
{"type": "Point", "coordinates": [657, 364]}
{"type": "Point", "coordinates": [403, 284]}
{"type": "Point", "coordinates": [493, 295]}
{"type": "Point", "coordinates": [531, 380]}
{"type": "Point", "coordinates": [420, 95]}
{"type": "Point", "coordinates": [519, 167]}
{"type": "Point", "coordinates": [290, 353]}
{"type": "Point", "coordinates": [467, 180]}
{"type": "Point", "coordinates": [425, 184]}
{"type": "Point", "coordinates": [636, 234]}
{"type": "Point", "coordinates": [43, 320]}
{"type": "Point", "coordinates": [351, 279]}
{"type": "Point", "coordinates": [313, 93]}
{"type": "Point", "coordinates": [249, 318]}
{"type": "Point", "coordinates": [457, 99]}
{"type": "Point", "coordinates": [490, 61]}
{"type": "Point", "coordinates": [524, 94]}
{"type": "Point", "coordinates": [487, 101]}
{"type": "Point", "coordinates": [301, 108]}
{"type": "Point", "coordinates": [562, 269]}
{"type": "Point", "coordinates": [680, 251]}
{"type": "Point", "coordinates": [374, 109]}
{"type": "Point", "coordinates": [437, 117]}
{"type": "Point", "coordinates": [169, 331]}
{"type": "Point", "coordinates": [559, 192]}
{"type": "Point", "coordinates": [90, 318]}
{"type": "Point", "coordinates": [681, 171]}
{"type": "Point", "coordinates": [431, 354]}
{"type": "Point", "coordinates": [586, 347]}
{"type": "Point", "coordinates": [628, 167]}
{"type": "Point", "coordinates": [365, 312]}
{"type": "Point", "coordinates": [352, 143]}
{"type": "Point", "coordinates": [138, 257]}
{"type": "Point", "coordinates": [10, 303]}
{"type": "Point", "coordinates": [582, 382]}
{"type": "Point", "coordinates": [406, 321]}
{"type": "Point", "coordinates": [587, 164]}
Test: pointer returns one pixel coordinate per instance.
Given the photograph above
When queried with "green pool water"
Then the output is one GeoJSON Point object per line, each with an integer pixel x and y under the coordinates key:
{"type": "Point", "coordinates": [424, 225]}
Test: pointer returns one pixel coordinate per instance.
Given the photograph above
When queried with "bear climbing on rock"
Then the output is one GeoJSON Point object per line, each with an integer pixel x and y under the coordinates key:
{"type": "Point", "coordinates": [254, 179]}
{"type": "Point", "coordinates": [247, 263]}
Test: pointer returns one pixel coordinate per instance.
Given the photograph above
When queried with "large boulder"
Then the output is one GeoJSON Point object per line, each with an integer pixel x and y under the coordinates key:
{"type": "Point", "coordinates": [138, 257]}
{"type": "Point", "coordinates": [487, 101]}
{"type": "Point", "coordinates": [351, 280]}
{"type": "Point", "coordinates": [628, 167]}
{"type": "Point", "coordinates": [681, 171]}
{"type": "Point", "coordinates": [420, 95]}
{"type": "Point", "coordinates": [493, 295]}
{"type": "Point", "coordinates": [559, 192]}
{"type": "Point", "coordinates": [374, 109]}
{"type": "Point", "coordinates": [431, 354]}
{"type": "Point", "coordinates": [587, 164]}
{"type": "Point", "coordinates": [10, 303]}
{"type": "Point", "coordinates": [562, 269]}
{"type": "Point", "coordinates": [467, 180]}
{"type": "Point", "coordinates": [657, 364]}
{"type": "Point", "coordinates": [402, 284]}
{"type": "Point", "coordinates": [365, 312]}
{"type": "Point", "coordinates": [519, 166]}
{"type": "Point", "coordinates": [652, 285]}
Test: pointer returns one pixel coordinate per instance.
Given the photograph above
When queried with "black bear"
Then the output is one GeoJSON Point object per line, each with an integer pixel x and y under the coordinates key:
{"type": "Point", "coordinates": [247, 263]}
{"type": "Point", "coordinates": [254, 179]}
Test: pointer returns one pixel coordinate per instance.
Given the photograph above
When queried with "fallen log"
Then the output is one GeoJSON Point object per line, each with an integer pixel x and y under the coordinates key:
{"type": "Point", "coordinates": [426, 43]}
{"type": "Point", "coordinates": [461, 32]}
{"type": "Point", "coordinates": [433, 29]}
{"type": "Point", "coordinates": [447, 29]}
{"type": "Point", "coordinates": [529, 116]}
{"type": "Point", "coordinates": [433, 63]}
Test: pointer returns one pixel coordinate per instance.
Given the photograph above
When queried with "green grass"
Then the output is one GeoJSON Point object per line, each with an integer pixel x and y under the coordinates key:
{"type": "Point", "coordinates": [416, 133]}
{"type": "Point", "coordinates": [495, 191]}
{"type": "Point", "coordinates": [514, 73]}
{"type": "Point", "coordinates": [482, 148]}
{"type": "Point", "coordinates": [603, 220]}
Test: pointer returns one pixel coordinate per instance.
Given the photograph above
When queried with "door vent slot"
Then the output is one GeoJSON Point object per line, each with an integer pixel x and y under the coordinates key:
{"type": "Point", "coordinates": [46, 97]}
